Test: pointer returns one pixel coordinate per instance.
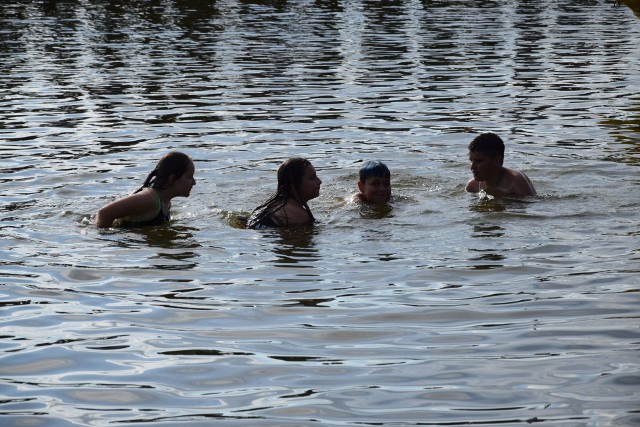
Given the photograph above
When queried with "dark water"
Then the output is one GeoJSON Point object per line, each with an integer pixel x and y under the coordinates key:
{"type": "Point", "coordinates": [443, 310]}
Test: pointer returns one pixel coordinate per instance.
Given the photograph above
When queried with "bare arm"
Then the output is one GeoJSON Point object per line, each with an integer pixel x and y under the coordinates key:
{"type": "Point", "coordinates": [135, 204]}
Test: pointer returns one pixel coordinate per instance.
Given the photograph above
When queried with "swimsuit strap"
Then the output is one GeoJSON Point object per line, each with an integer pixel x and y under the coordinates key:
{"type": "Point", "coordinates": [159, 200]}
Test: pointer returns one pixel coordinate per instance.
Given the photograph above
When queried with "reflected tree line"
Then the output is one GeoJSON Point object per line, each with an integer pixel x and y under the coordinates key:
{"type": "Point", "coordinates": [200, 53]}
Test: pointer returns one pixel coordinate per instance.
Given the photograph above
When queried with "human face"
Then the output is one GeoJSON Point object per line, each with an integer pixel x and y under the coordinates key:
{"type": "Point", "coordinates": [483, 167]}
{"type": "Point", "coordinates": [184, 184]}
{"type": "Point", "coordinates": [310, 184]}
{"type": "Point", "coordinates": [376, 189]}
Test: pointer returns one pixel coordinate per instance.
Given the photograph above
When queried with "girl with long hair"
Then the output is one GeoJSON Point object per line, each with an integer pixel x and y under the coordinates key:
{"type": "Point", "coordinates": [297, 184]}
{"type": "Point", "coordinates": [151, 203]}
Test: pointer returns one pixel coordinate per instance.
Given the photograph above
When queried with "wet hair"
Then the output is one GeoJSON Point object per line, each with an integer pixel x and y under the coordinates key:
{"type": "Point", "coordinates": [173, 163]}
{"type": "Point", "coordinates": [374, 168]}
{"type": "Point", "coordinates": [488, 144]}
{"type": "Point", "coordinates": [290, 174]}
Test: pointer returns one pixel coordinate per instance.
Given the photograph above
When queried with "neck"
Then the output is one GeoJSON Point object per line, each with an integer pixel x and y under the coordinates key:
{"type": "Point", "coordinates": [295, 196]}
{"type": "Point", "coordinates": [495, 180]}
{"type": "Point", "coordinates": [165, 196]}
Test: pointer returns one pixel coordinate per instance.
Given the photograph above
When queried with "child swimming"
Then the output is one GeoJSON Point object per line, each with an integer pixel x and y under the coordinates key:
{"type": "Point", "coordinates": [374, 184]}
{"type": "Point", "coordinates": [297, 184]}
{"type": "Point", "coordinates": [486, 156]}
{"type": "Point", "coordinates": [151, 203]}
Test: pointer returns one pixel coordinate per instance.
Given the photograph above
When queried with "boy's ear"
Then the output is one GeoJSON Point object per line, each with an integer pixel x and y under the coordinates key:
{"type": "Point", "coordinates": [361, 186]}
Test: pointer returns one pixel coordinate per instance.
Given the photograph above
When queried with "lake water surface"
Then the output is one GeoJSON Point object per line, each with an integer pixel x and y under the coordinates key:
{"type": "Point", "coordinates": [444, 310]}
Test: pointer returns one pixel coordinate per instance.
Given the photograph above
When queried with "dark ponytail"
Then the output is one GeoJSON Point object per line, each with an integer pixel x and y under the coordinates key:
{"type": "Point", "coordinates": [173, 163]}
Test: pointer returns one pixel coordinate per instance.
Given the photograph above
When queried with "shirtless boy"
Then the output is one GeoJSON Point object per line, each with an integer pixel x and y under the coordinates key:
{"type": "Point", "coordinates": [486, 155]}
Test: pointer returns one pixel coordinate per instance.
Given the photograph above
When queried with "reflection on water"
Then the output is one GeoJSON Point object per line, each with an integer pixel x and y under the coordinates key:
{"type": "Point", "coordinates": [373, 211]}
{"type": "Point", "coordinates": [440, 308]}
{"type": "Point", "coordinates": [485, 203]}
{"type": "Point", "coordinates": [167, 247]}
{"type": "Point", "coordinates": [488, 231]}
{"type": "Point", "coordinates": [633, 5]}
{"type": "Point", "coordinates": [624, 128]}
{"type": "Point", "coordinates": [487, 261]}
{"type": "Point", "coordinates": [167, 237]}
{"type": "Point", "coordinates": [295, 247]}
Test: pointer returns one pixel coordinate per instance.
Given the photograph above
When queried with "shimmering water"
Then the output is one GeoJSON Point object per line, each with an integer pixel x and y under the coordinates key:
{"type": "Point", "coordinates": [445, 310]}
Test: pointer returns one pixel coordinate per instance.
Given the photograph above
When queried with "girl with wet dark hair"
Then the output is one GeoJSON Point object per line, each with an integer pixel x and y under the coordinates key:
{"type": "Point", "coordinates": [151, 203]}
{"type": "Point", "coordinates": [297, 184]}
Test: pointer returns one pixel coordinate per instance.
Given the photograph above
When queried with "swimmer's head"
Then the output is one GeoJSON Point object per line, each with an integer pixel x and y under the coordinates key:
{"type": "Point", "coordinates": [374, 168]}
{"type": "Point", "coordinates": [171, 167]}
{"type": "Point", "coordinates": [489, 144]}
{"type": "Point", "coordinates": [297, 178]}
{"type": "Point", "coordinates": [375, 182]}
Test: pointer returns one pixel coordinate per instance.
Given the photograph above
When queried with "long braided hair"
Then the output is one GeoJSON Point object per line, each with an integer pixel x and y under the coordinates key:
{"type": "Point", "coordinates": [173, 163]}
{"type": "Point", "coordinates": [290, 175]}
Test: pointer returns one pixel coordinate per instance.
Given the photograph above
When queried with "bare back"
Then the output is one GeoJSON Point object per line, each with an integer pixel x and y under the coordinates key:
{"type": "Point", "coordinates": [292, 213]}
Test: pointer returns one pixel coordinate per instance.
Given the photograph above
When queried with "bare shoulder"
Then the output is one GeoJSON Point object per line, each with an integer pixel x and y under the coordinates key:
{"type": "Point", "coordinates": [521, 184]}
{"type": "Point", "coordinates": [473, 186]}
{"type": "Point", "coordinates": [147, 194]}
{"type": "Point", "coordinates": [291, 214]}
{"type": "Point", "coordinates": [356, 198]}
{"type": "Point", "coordinates": [142, 199]}
{"type": "Point", "coordinates": [134, 204]}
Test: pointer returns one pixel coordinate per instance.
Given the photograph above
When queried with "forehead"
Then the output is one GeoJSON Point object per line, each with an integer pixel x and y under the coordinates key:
{"type": "Point", "coordinates": [309, 170]}
{"type": "Point", "coordinates": [378, 178]}
{"type": "Point", "coordinates": [477, 155]}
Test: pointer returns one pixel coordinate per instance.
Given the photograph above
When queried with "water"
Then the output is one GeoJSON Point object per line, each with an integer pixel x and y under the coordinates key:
{"type": "Point", "coordinates": [443, 310]}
